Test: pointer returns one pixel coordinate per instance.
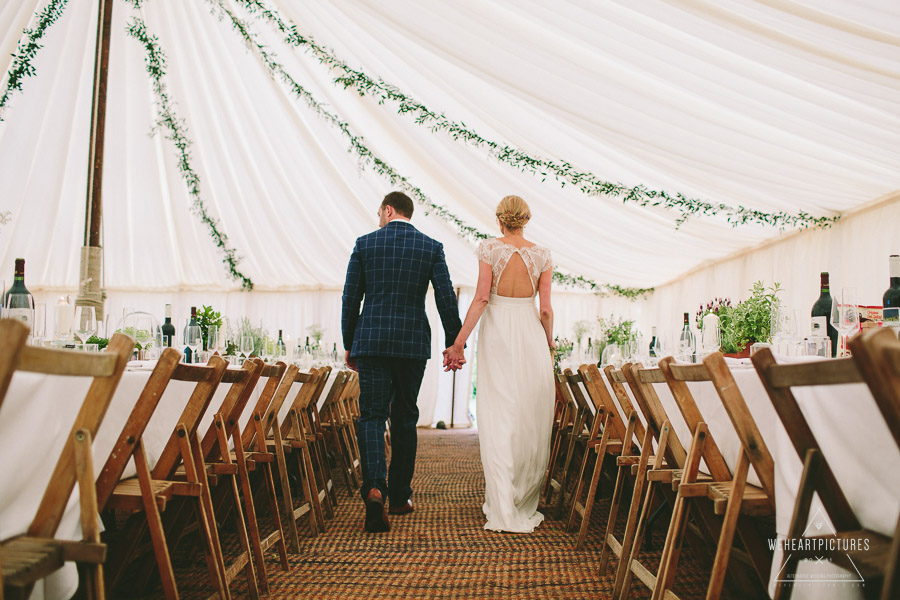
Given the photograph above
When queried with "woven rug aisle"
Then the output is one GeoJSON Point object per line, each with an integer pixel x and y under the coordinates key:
{"type": "Point", "coordinates": [442, 550]}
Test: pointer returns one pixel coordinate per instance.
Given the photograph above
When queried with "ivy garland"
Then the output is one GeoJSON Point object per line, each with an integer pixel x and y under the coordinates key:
{"type": "Point", "coordinates": [561, 170]}
{"type": "Point", "coordinates": [369, 159]}
{"type": "Point", "coordinates": [156, 68]}
{"type": "Point", "coordinates": [21, 66]}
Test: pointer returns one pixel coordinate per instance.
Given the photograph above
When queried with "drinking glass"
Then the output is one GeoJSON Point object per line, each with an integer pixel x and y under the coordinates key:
{"type": "Point", "coordinates": [687, 342]}
{"type": "Point", "coordinates": [845, 315]}
{"type": "Point", "coordinates": [280, 352]}
{"type": "Point", "coordinates": [784, 329]}
{"type": "Point", "coordinates": [710, 335]}
{"type": "Point", "coordinates": [64, 321]}
{"type": "Point", "coordinates": [145, 329]}
{"type": "Point", "coordinates": [193, 339]}
{"type": "Point", "coordinates": [246, 345]}
{"type": "Point", "coordinates": [39, 327]}
{"type": "Point", "coordinates": [85, 324]}
{"type": "Point", "coordinates": [269, 344]}
{"type": "Point", "coordinates": [214, 340]}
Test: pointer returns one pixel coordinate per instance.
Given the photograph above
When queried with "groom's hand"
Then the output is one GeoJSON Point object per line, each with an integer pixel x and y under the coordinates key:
{"type": "Point", "coordinates": [454, 358]}
{"type": "Point", "coordinates": [351, 364]}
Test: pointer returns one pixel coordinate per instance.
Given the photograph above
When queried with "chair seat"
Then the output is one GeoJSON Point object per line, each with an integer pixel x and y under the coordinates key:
{"type": "Point", "coordinates": [754, 503]}
{"type": "Point", "coordinates": [672, 475]}
{"type": "Point", "coordinates": [871, 563]}
{"type": "Point", "coordinates": [127, 494]}
{"type": "Point", "coordinates": [26, 560]}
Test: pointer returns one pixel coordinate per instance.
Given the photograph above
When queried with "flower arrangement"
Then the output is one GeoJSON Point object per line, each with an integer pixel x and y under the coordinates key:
{"type": "Point", "coordinates": [581, 329]}
{"type": "Point", "coordinates": [564, 349]}
{"type": "Point", "coordinates": [206, 317]}
{"type": "Point", "coordinates": [316, 332]}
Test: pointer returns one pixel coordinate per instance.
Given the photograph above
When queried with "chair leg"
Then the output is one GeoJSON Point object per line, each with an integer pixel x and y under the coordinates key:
{"type": "Point", "coordinates": [286, 496]}
{"type": "Point", "coordinates": [799, 518]}
{"type": "Point", "coordinates": [155, 526]}
{"type": "Point", "coordinates": [273, 509]}
{"type": "Point", "coordinates": [726, 538]}
{"type": "Point", "coordinates": [891, 586]}
{"type": "Point", "coordinates": [591, 496]}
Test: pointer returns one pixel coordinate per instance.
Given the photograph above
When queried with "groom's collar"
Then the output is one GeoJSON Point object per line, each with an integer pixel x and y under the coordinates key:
{"type": "Point", "coordinates": [398, 220]}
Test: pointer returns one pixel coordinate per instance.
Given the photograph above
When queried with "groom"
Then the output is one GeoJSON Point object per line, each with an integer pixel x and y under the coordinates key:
{"type": "Point", "coordinates": [389, 343]}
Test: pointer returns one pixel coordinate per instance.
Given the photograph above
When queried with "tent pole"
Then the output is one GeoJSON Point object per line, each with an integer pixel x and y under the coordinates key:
{"type": "Point", "coordinates": [90, 291]}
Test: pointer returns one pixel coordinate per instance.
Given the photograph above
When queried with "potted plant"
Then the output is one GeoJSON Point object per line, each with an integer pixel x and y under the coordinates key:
{"type": "Point", "coordinates": [747, 322]}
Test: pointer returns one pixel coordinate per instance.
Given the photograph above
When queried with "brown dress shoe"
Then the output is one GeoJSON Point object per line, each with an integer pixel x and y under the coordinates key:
{"type": "Point", "coordinates": [403, 509]}
{"type": "Point", "coordinates": [376, 518]}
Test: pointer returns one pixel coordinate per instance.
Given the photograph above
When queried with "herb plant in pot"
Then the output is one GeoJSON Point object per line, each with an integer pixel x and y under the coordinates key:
{"type": "Point", "coordinates": [749, 321]}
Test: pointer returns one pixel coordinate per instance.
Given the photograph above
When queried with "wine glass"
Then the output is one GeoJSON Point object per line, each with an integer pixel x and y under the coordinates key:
{"type": "Point", "coordinates": [845, 315]}
{"type": "Point", "coordinates": [85, 324]}
{"type": "Point", "coordinates": [193, 339]}
{"type": "Point", "coordinates": [246, 344]}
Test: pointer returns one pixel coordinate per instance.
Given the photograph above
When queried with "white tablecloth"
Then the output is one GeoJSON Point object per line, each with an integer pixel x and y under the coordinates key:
{"type": "Point", "coordinates": [854, 439]}
{"type": "Point", "coordinates": [37, 415]}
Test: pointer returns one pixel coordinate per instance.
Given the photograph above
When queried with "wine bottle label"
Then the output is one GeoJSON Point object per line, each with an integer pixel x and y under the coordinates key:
{"type": "Point", "coordinates": [891, 316]}
{"type": "Point", "coordinates": [818, 326]}
{"type": "Point", "coordinates": [20, 314]}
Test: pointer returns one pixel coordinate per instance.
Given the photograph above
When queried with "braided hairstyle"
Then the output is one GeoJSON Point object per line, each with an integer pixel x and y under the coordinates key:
{"type": "Point", "coordinates": [513, 212]}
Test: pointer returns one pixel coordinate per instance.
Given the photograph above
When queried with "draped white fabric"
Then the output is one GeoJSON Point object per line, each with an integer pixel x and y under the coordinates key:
{"type": "Point", "coordinates": [774, 105]}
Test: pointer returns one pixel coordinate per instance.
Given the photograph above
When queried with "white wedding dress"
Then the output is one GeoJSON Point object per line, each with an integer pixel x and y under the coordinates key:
{"type": "Point", "coordinates": [515, 395]}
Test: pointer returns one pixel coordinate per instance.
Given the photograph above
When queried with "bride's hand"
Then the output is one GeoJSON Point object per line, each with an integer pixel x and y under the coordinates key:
{"type": "Point", "coordinates": [552, 346]}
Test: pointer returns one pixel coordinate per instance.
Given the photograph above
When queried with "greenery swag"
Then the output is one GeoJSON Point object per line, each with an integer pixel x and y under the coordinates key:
{"type": "Point", "coordinates": [166, 117]}
{"type": "Point", "coordinates": [561, 170]}
{"type": "Point", "coordinates": [26, 51]}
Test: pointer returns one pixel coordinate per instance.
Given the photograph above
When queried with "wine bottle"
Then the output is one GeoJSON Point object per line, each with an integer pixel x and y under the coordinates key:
{"type": "Point", "coordinates": [653, 341]}
{"type": "Point", "coordinates": [891, 298]}
{"type": "Point", "coordinates": [168, 330]}
{"type": "Point", "coordinates": [188, 354]}
{"type": "Point", "coordinates": [280, 347]}
{"type": "Point", "coordinates": [334, 352]}
{"type": "Point", "coordinates": [18, 300]}
{"type": "Point", "coordinates": [307, 348]}
{"type": "Point", "coordinates": [686, 340]}
{"type": "Point", "coordinates": [821, 314]}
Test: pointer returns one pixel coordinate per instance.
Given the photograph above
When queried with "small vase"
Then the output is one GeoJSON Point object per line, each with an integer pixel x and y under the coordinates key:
{"type": "Point", "coordinates": [745, 353]}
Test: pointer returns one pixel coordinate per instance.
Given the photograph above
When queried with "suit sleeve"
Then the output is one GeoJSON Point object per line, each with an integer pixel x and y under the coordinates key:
{"type": "Point", "coordinates": [354, 288]}
{"type": "Point", "coordinates": [445, 297]}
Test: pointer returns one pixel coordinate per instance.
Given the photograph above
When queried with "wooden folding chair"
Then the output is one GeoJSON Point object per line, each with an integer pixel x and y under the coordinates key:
{"type": "Point", "coordinates": [338, 430]}
{"type": "Point", "coordinates": [877, 357]}
{"type": "Point", "coordinates": [607, 435]}
{"type": "Point", "coordinates": [221, 462]}
{"type": "Point", "coordinates": [818, 478]}
{"type": "Point", "coordinates": [628, 464]}
{"type": "Point", "coordinates": [310, 423]}
{"type": "Point", "coordinates": [32, 556]}
{"type": "Point", "coordinates": [575, 439]}
{"type": "Point", "coordinates": [148, 494]}
{"type": "Point", "coordinates": [729, 497]}
{"type": "Point", "coordinates": [296, 443]}
{"type": "Point", "coordinates": [563, 421]}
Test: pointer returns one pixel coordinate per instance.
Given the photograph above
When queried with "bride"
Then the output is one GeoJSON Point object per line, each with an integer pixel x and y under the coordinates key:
{"type": "Point", "coordinates": [515, 395]}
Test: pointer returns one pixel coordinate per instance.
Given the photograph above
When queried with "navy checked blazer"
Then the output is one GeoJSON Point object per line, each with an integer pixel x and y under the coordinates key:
{"type": "Point", "coordinates": [391, 268]}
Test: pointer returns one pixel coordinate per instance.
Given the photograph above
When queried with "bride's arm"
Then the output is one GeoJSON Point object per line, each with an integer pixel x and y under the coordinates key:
{"type": "Point", "coordinates": [479, 303]}
{"type": "Point", "coordinates": [546, 309]}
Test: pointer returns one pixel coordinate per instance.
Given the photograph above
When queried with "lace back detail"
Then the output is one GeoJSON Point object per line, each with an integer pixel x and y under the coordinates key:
{"type": "Point", "coordinates": [497, 255]}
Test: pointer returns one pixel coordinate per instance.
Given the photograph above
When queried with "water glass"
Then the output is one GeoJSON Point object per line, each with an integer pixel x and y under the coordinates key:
{"type": "Point", "coordinates": [39, 327]}
{"type": "Point", "coordinates": [214, 341]}
{"type": "Point", "coordinates": [64, 321]}
{"type": "Point", "coordinates": [85, 324]}
{"type": "Point", "coordinates": [246, 345]}
{"type": "Point", "coordinates": [845, 315]}
{"type": "Point", "coordinates": [193, 339]}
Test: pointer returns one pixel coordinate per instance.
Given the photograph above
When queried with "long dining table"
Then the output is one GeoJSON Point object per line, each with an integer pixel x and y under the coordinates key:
{"type": "Point", "coordinates": [855, 441]}
{"type": "Point", "coordinates": [35, 419]}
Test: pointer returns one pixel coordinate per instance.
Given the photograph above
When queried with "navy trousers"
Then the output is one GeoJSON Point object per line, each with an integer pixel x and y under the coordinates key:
{"type": "Point", "coordinates": [388, 387]}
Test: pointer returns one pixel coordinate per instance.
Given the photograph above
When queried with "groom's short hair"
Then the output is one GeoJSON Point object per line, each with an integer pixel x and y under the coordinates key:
{"type": "Point", "coordinates": [400, 202]}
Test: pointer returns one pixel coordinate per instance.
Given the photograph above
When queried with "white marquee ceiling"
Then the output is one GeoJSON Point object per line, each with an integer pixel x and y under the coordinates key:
{"type": "Point", "coordinates": [772, 105]}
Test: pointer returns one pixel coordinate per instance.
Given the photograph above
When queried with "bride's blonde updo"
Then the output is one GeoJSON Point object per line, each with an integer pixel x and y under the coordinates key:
{"type": "Point", "coordinates": [513, 212]}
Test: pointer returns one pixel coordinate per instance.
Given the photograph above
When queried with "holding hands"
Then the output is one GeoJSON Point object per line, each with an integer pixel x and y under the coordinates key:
{"type": "Point", "coordinates": [454, 358]}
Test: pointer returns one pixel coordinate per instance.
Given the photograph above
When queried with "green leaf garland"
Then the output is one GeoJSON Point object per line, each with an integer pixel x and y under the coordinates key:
{"type": "Point", "coordinates": [370, 159]}
{"type": "Point", "coordinates": [27, 49]}
{"type": "Point", "coordinates": [156, 68]}
{"type": "Point", "coordinates": [561, 170]}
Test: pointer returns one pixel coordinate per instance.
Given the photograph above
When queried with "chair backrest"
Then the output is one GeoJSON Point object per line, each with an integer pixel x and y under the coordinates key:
{"type": "Point", "coordinates": [242, 381]}
{"type": "Point", "coordinates": [574, 381]}
{"type": "Point", "coordinates": [106, 369]}
{"type": "Point", "coordinates": [778, 381]}
{"type": "Point", "coordinates": [207, 378]}
{"type": "Point", "coordinates": [641, 381]}
{"type": "Point", "coordinates": [617, 381]}
{"type": "Point", "coordinates": [677, 377]}
{"type": "Point", "coordinates": [876, 354]}
{"type": "Point", "coordinates": [13, 337]}
{"type": "Point", "coordinates": [134, 427]}
{"type": "Point", "coordinates": [273, 376]}
{"type": "Point", "coordinates": [743, 422]}
{"type": "Point", "coordinates": [596, 389]}
{"type": "Point", "coordinates": [574, 412]}
{"type": "Point", "coordinates": [310, 384]}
